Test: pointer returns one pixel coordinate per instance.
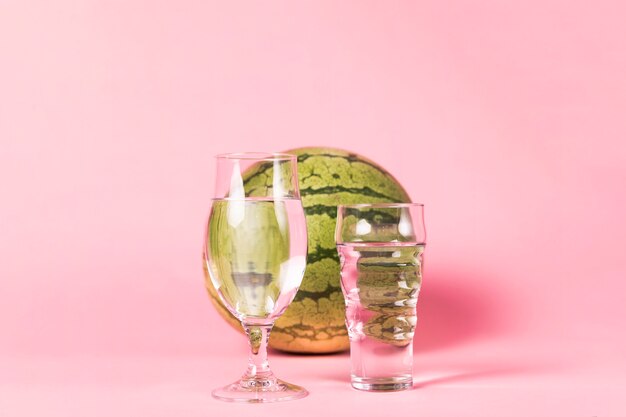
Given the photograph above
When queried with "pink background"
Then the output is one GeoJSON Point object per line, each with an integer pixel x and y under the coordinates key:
{"type": "Point", "coordinates": [507, 119]}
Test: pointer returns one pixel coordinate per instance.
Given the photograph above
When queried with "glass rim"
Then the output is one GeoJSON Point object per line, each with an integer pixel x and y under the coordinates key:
{"type": "Point", "coordinates": [379, 205]}
{"type": "Point", "coordinates": [257, 156]}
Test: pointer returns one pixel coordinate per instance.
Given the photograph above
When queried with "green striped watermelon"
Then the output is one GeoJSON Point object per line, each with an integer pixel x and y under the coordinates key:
{"type": "Point", "coordinates": [314, 322]}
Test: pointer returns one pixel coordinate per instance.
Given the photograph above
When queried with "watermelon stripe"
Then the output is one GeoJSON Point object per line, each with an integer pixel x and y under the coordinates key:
{"type": "Point", "coordinates": [350, 158]}
{"type": "Point", "coordinates": [330, 211]}
{"type": "Point", "coordinates": [322, 253]}
{"type": "Point", "coordinates": [366, 191]}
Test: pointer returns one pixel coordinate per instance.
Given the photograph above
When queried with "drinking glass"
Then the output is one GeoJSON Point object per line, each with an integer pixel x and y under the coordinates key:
{"type": "Point", "coordinates": [255, 254]}
{"type": "Point", "coordinates": [380, 250]}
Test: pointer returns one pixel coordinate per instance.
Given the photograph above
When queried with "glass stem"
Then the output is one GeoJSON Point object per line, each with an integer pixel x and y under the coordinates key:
{"type": "Point", "coordinates": [258, 336]}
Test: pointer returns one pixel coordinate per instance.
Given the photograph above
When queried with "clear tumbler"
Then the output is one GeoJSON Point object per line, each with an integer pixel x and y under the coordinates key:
{"type": "Point", "coordinates": [381, 250]}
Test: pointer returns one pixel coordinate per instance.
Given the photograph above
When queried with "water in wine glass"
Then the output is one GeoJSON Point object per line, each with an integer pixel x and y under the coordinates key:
{"type": "Point", "coordinates": [256, 254]}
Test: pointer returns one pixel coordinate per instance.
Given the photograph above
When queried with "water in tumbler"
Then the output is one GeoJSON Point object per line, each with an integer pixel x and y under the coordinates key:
{"type": "Point", "coordinates": [381, 282]}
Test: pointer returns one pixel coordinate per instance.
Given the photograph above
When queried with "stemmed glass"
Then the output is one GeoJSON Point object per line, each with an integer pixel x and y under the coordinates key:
{"type": "Point", "coordinates": [255, 253]}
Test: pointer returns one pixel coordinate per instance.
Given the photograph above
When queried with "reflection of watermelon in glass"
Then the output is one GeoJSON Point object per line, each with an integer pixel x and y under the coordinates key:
{"type": "Point", "coordinates": [254, 289]}
{"type": "Point", "coordinates": [389, 279]}
{"type": "Point", "coordinates": [251, 280]}
{"type": "Point", "coordinates": [315, 320]}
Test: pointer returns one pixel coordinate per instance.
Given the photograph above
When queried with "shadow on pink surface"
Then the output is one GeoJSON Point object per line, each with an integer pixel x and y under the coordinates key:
{"type": "Point", "coordinates": [420, 382]}
{"type": "Point", "coordinates": [430, 376]}
{"type": "Point", "coordinates": [457, 307]}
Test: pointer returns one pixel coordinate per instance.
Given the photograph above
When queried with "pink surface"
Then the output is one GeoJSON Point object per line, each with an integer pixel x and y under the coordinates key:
{"type": "Point", "coordinates": [505, 118]}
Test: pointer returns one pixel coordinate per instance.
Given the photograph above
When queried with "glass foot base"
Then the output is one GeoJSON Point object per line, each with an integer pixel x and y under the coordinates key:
{"type": "Point", "coordinates": [259, 391]}
{"type": "Point", "coordinates": [382, 384]}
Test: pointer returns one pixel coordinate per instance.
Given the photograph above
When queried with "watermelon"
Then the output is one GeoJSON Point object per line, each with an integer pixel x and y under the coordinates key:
{"type": "Point", "coordinates": [315, 320]}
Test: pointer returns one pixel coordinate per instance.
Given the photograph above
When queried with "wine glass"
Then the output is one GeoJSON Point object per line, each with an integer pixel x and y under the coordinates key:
{"type": "Point", "coordinates": [255, 253]}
